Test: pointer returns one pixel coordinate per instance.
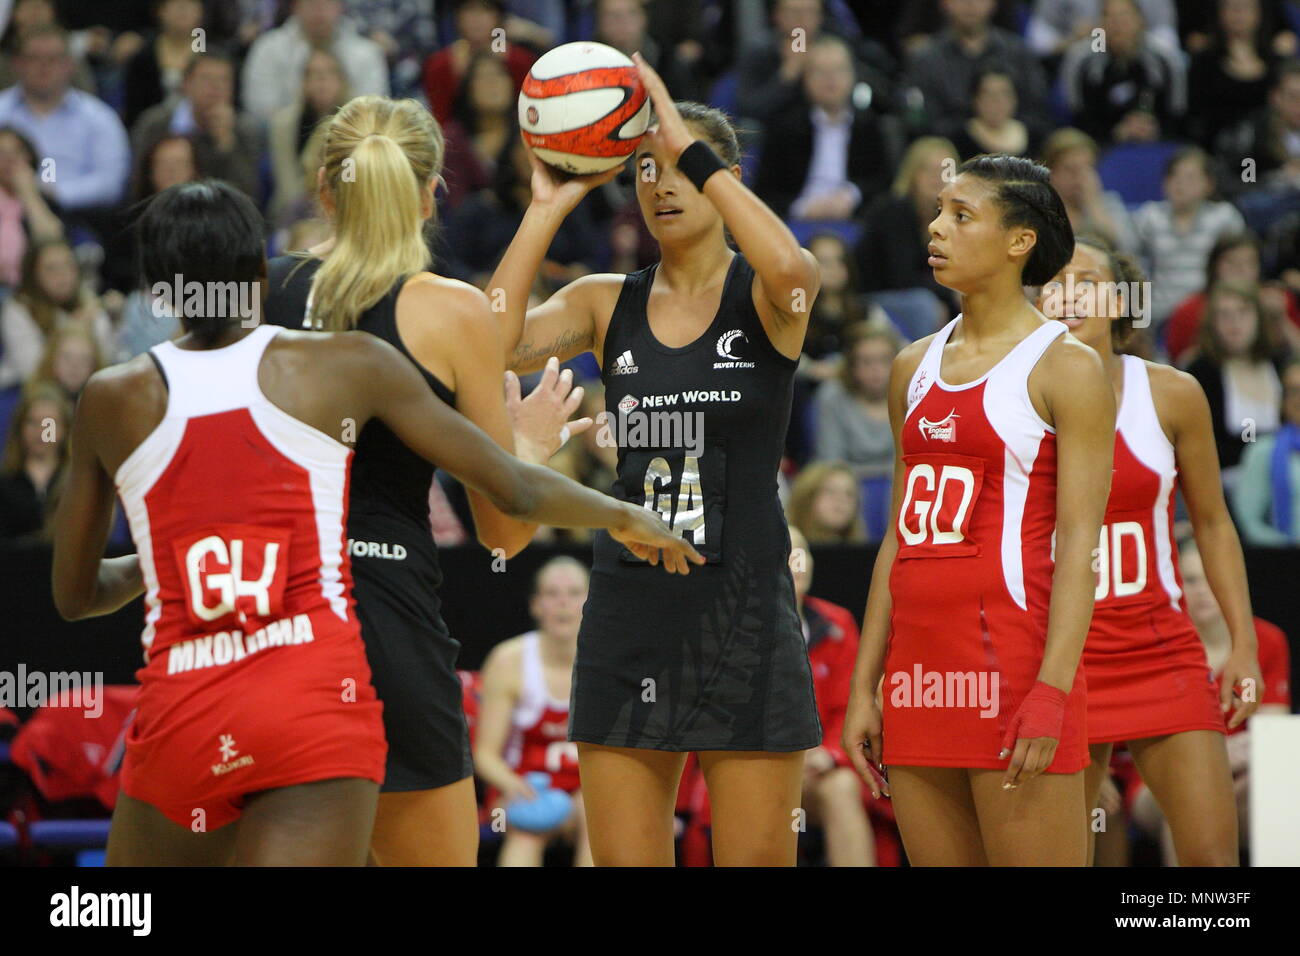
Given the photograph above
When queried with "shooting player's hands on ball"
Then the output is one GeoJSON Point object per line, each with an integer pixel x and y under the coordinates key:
{"type": "Point", "coordinates": [540, 421]}
{"type": "Point", "coordinates": [669, 134]}
{"type": "Point", "coordinates": [553, 189]}
{"type": "Point", "coordinates": [644, 533]}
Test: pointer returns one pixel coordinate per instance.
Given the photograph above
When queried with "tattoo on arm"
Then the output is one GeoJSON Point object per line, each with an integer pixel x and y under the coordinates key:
{"type": "Point", "coordinates": [527, 354]}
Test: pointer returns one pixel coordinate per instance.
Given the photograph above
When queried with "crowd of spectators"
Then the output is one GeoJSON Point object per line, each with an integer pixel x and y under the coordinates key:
{"type": "Point", "coordinates": [1173, 129]}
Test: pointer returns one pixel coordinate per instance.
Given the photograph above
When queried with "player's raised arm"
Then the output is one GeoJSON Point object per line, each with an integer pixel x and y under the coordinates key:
{"type": "Point", "coordinates": [787, 274]}
{"type": "Point", "coordinates": [564, 325]}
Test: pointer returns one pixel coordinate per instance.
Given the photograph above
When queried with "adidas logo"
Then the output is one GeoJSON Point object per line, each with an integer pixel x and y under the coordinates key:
{"type": "Point", "coordinates": [623, 365]}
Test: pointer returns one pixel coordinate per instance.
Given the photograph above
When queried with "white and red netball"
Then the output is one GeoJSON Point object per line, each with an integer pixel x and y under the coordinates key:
{"type": "Point", "coordinates": [582, 108]}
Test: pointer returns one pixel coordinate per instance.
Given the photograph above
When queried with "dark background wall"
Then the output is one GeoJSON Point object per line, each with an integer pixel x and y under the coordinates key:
{"type": "Point", "coordinates": [483, 604]}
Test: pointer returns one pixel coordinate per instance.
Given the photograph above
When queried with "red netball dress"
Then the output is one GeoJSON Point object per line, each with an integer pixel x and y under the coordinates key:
{"type": "Point", "coordinates": [972, 579]}
{"type": "Point", "coordinates": [255, 676]}
{"type": "Point", "coordinates": [1146, 668]}
{"type": "Point", "coordinates": [539, 726]}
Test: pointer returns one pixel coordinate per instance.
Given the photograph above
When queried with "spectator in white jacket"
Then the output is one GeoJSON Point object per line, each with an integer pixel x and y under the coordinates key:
{"type": "Point", "coordinates": [1055, 24]}
{"type": "Point", "coordinates": [273, 71]}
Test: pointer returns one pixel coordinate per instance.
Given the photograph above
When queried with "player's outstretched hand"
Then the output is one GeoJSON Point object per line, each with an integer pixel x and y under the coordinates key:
{"type": "Point", "coordinates": [644, 533]}
{"type": "Point", "coordinates": [863, 739]}
{"type": "Point", "coordinates": [541, 421]}
{"type": "Point", "coordinates": [554, 189]}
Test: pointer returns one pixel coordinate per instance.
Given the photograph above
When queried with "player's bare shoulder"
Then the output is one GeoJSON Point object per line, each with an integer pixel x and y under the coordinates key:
{"type": "Point", "coordinates": [437, 295]}
{"type": "Point", "coordinates": [130, 390]}
{"type": "Point", "coordinates": [1067, 363]}
{"type": "Point", "coordinates": [504, 661]}
{"type": "Point", "coordinates": [1178, 396]}
{"type": "Point", "coordinates": [598, 293]}
{"type": "Point", "coordinates": [909, 358]}
{"type": "Point", "coordinates": [339, 358]}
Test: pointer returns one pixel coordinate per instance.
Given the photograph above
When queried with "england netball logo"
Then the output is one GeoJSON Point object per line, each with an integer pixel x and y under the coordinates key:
{"type": "Point", "coordinates": [918, 388]}
{"type": "Point", "coordinates": [943, 430]}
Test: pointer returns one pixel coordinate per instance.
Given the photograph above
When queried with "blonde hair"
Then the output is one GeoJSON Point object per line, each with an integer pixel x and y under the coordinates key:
{"type": "Point", "coordinates": [68, 330]}
{"type": "Point", "coordinates": [799, 510]}
{"type": "Point", "coordinates": [378, 156]}
{"type": "Point", "coordinates": [916, 155]}
{"type": "Point", "coordinates": [1067, 140]}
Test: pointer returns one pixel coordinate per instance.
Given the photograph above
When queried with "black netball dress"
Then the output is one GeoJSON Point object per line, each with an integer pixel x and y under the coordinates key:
{"type": "Point", "coordinates": [713, 660]}
{"type": "Point", "coordinates": [395, 569]}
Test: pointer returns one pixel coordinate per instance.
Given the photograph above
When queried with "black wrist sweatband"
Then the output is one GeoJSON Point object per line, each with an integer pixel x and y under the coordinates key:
{"type": "Point", "coordinates": [698, 162]}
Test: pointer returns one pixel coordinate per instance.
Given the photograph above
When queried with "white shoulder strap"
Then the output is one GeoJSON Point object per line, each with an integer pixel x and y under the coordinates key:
{"type": "Point", "coordinates": [927, 373]}
{"type": "Point", "coordinates": [208, 381]}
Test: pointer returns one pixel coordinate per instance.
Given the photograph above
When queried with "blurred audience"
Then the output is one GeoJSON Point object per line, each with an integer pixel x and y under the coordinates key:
{"type": "Point", "coordinates": [83, 145]}
{"type": "Point", "coordinates": [154, 74]}
{"type": "Point", "coordinates": [825, 157]}
{"type": "Point", "coordinates": [50, 296]}
{"type": "Point", "coordinates": [1266, 499]}
{"type": "Point", "coordinates": [1230, 78]}
{"type": "Point", "coordinates": [1237, 257]}
{"type": "Point", "coordinates": [227, 144]}
{"type": "Point", "coordinates": [891, 255]}
{"type": "Point", "coordinates": [1133, 88]}
{"type": "Point", "coordinates": [34, 455]}
{"type": "Point", "coordinates": [72, 354]}
{"type": "Point", "coordinates": [834, 794]}
{"type": "Point", "coordinates": [622, 24]}
{"type": "Point", "coordinates": [1071, 155]}
{"type": "Point", "coordinates": [481, 228]}
{"type": "Point", "coordinates": [1175, 234]}
{"type": "Point", "coordinates": [26, 213]}
{"type": "Point", "coordinates": [945, 69]}
{"type": "Point", "coordinates": [825, 504]}
{"type": "Point", "coordinates": [404, 30]}
{"type": "Point", "coordinates": [853, 408]}
{"type": "Point", "coordinates": [993, 126]}
{"type": "Point", "coordinates": [483, 120]}
{"type": "Point", "coordinates": [273, 69]}
{"type": "Point", "coordinates": [296, 134]}
{"type": "Point", "coordinates": [1238, 364]}
{"type": "Point", "coordinates": [480, 26]}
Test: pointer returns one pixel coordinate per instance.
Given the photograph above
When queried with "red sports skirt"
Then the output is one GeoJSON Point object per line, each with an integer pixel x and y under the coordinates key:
{"type": "Point", "coordinates": [954, 676]}
{"type": "Point", "coordinates": [205, 738]}
{"type": "Point", "coordinates": [1144, 682]}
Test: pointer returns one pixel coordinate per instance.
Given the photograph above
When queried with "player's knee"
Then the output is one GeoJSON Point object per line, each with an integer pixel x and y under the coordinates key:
{"type": "Point", "coordinates": [839, 788]}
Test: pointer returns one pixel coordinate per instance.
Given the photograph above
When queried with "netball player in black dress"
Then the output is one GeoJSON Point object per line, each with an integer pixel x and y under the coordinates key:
{"type": "Point", "coordinates": [718, 666]}
{"type": "Point", "coordinates": [381, 159]}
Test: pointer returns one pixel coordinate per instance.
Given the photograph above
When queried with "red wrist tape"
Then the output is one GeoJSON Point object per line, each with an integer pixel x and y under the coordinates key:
{"type": "Point", "coordinates": [1040, 714]}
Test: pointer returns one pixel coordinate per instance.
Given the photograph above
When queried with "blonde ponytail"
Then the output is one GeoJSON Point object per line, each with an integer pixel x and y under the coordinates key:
{"type": "Point", "coordinates": [378, 156]}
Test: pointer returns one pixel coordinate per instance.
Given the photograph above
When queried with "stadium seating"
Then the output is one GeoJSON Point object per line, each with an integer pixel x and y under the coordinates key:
{"type": "Point", "coordinates": [1135, 170]}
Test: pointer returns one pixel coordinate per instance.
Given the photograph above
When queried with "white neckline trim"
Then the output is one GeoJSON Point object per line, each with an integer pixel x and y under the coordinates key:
{"type": "Point", "coordinates": [947, 334]}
